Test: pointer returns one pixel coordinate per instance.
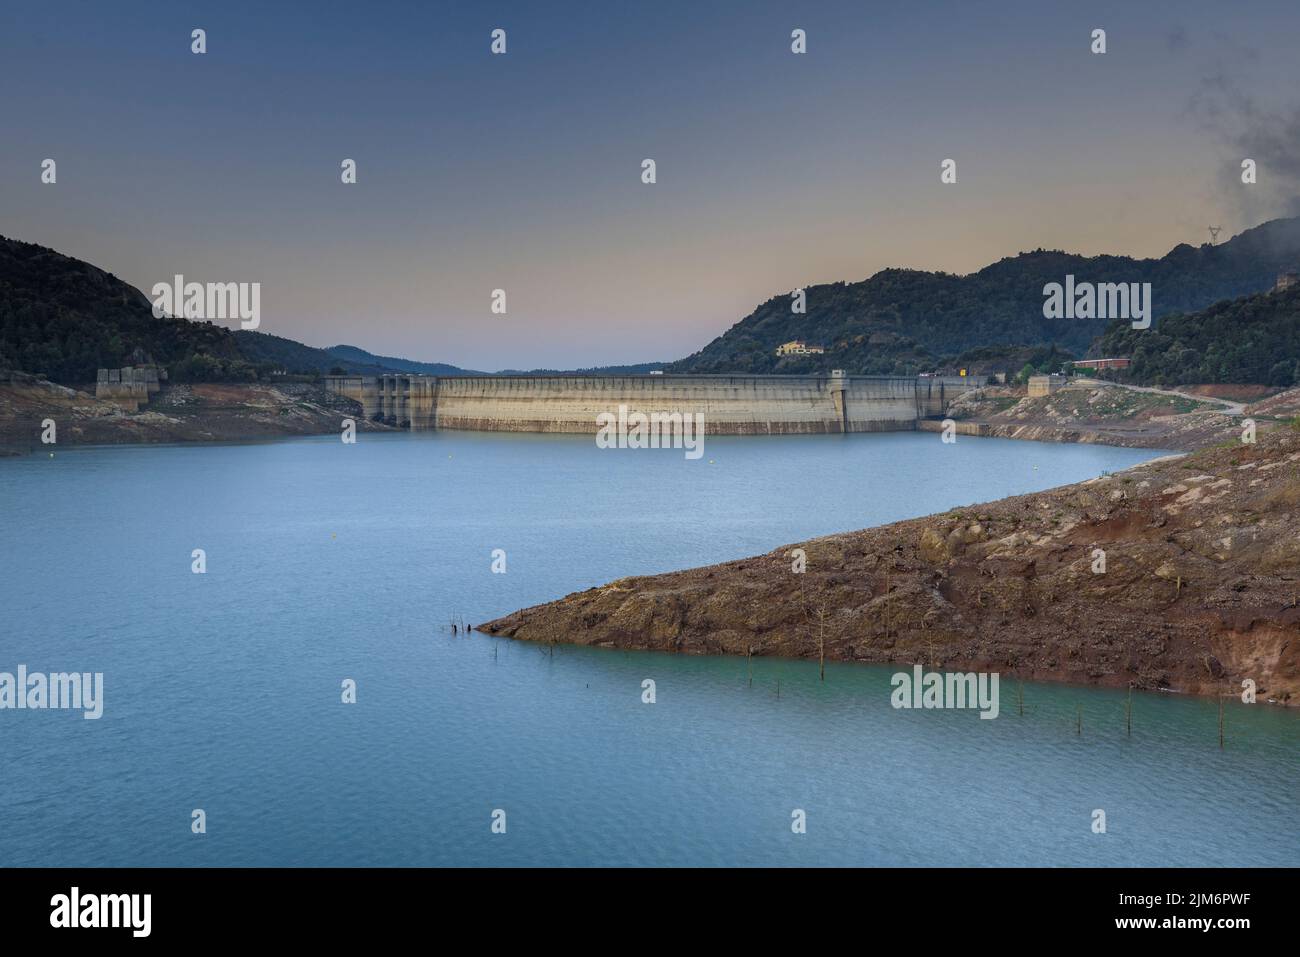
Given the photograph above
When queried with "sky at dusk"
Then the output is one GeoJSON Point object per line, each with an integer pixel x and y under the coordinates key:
{"type": "Point", "coordinates": [523, 171]}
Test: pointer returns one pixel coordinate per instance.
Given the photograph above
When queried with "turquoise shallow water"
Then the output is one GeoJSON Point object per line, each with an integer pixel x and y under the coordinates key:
{"type": "Point", "coordinates": [326, 561]}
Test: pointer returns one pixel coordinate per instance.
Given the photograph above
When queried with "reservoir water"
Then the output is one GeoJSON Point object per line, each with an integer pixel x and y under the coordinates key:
{"type": "Point", "coordinates": [326, 562]}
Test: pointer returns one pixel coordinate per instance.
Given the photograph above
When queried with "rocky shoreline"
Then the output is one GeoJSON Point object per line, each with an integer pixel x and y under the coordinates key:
{"type": "Point", "coordinates": [1180, 574]}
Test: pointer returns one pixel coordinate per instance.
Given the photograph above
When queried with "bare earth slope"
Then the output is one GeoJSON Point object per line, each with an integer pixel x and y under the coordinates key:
{"type": "Point", "coordinates": [180, 413]}
{"type": "Point", "coordinates": [1202, 573]}
{"type": "Point", "coordinates": [1095, 412]}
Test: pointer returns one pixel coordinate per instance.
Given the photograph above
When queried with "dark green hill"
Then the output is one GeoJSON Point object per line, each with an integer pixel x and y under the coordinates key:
{"type": "Point", "coordinates": [64, 319]}
{"type": "Point", "coordinates": [903, 321]}
{"type": "Point", "coordinates": [1254, 339]}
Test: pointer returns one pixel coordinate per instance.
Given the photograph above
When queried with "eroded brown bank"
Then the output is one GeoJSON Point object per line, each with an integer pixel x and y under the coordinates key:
{"type": "Point", "coordinates": [1199, 591]}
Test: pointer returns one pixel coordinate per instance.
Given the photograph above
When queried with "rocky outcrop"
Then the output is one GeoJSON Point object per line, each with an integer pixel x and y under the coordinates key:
{"type": "Point", "coordinates": [1182, 573]}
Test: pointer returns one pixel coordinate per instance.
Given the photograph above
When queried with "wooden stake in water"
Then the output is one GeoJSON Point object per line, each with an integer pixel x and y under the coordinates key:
{"type": "Point", "coordinates": [1020, 697]}
{"type": "Point", "coordinates": [749, 660]}
{"type": "Point", "coordinates": [1128, 710]}
{"type": "Point", "coordinates": [1078, 727]}
{"type": "Point", "coordinates": [1220, 722]}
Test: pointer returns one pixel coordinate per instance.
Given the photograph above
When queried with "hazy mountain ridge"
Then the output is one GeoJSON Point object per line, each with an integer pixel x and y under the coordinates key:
{"type": "Point", "coordinates": [359, 356]}
{"type": "Point", "coordinates": [635, 368]}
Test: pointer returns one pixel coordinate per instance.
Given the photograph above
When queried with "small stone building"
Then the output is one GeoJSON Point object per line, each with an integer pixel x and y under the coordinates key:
{"type": "Point", "coordinates": [1045, 384]}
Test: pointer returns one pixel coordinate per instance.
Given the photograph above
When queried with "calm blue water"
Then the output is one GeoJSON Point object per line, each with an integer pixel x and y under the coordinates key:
{"type": "Point", "coordinates": [326, 561]}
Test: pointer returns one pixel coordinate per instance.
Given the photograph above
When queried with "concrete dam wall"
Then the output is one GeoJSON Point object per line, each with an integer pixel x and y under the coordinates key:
{"type": "Point", "coordinates": [730, 404]}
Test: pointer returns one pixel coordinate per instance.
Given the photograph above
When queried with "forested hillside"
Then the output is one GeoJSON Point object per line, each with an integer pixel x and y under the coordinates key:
{"type": "Point", "coordinates": [1254, 339]}
{"type": "Point", "coordinates": [64, 319]}
{"type": "Point", "coordinates": [903, 321]}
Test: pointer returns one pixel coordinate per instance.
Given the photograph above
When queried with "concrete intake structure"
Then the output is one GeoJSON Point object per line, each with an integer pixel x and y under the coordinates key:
{"type": "Point", "coordinates": [731, 404]}
{"type": "Point", "coordinates": [129, 387]}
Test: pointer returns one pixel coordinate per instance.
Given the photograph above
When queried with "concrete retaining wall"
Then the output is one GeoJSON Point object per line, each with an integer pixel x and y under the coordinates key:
{"type": "Point", "coordinates": [731, 405]}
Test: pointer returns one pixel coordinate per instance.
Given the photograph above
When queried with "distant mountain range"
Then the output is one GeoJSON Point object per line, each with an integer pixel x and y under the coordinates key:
{"type": "Point", "coordinates": [260, 347]}
{"type": "Point", "coordinates": [637, 368]}
{"type": "Point", "coordinates": [288, 354]}
{"type": "Point", "coordinates": [391, 363]}
{"type": "Point", "coordinates": [64, 318]}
